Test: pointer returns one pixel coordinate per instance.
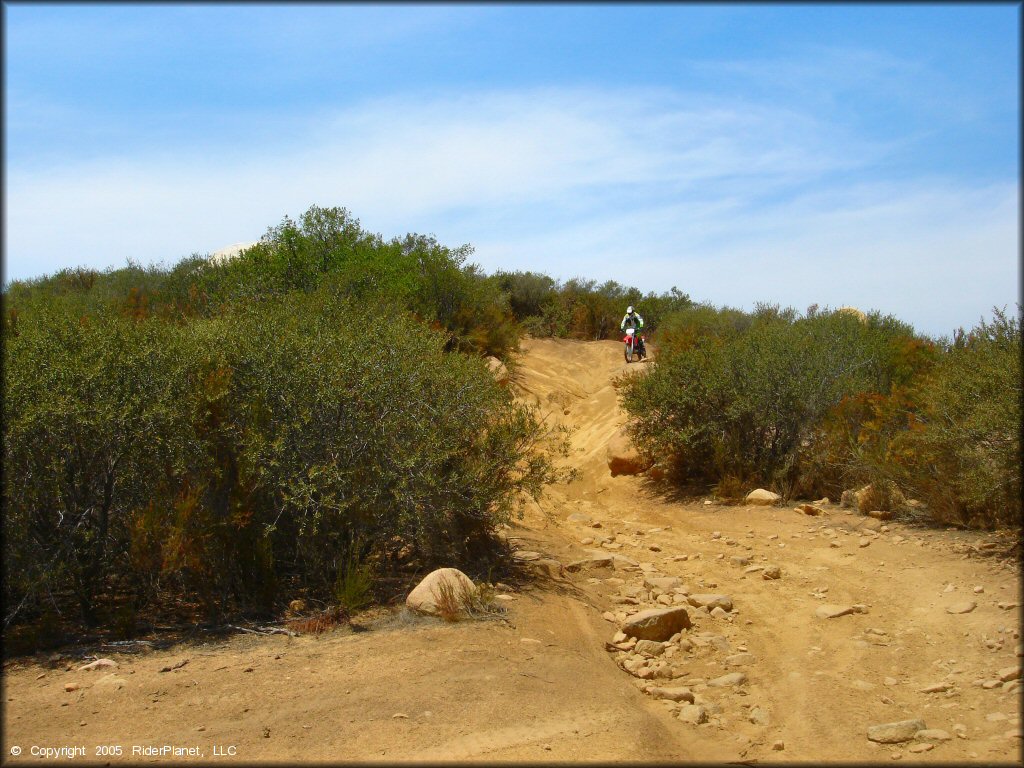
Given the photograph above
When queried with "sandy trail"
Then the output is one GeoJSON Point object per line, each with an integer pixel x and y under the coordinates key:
{"type": "Point", "coordinates": [541, 686]}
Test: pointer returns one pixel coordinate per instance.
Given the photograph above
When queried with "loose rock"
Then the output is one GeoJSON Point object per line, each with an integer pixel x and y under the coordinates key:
{"type": "Point", "coordinates": [761, 497]}
{"type": "Point", "coordinates": [657, 623]}
{"type": "Point", "coordinates": [710, 601]}
{"type": "Point", "coordinates": [834, 611]}
{"type": "Point", "coordinates": [649, 648]}
{"type": "Point", "coordinates": [664, 583]}
{"type": "Point", "coordinates": [98, 664]}
{"type": "Point", "coordinates": [810, 509]}
{"type": "Point", "coordinates": [895, 733]}
{"type": "Point", "coordinates": [693, 713]}
{"type": "Point", "coordinates": [739, 659]}
{"type": "Point", "coordinates": [726, 681]}
{"type": "Point", "coordinates": [964, 607]}
{"type": "Point", "coordinates": [623, 563]}
{"type": "Point", "coordinates": [526, 555]}
{"type": "Point", "coordinates": [593, 560]}
{"type": "Point", "coordinates": [1009, 673]}
{"type": "Point", "coordinates": [671, 694]}
{"type": "Point", "coordinates": [933, 734]}
{"type": "Point", "coordinates": [552, 568]}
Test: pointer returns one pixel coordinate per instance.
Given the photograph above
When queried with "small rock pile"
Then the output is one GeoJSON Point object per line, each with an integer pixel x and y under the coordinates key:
{"type": "Point", "coordinates": [696, 673]}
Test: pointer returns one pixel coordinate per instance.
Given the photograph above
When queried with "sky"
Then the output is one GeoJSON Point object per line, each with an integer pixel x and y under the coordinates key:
{"type": "Point", "coordinates": [835, 154]}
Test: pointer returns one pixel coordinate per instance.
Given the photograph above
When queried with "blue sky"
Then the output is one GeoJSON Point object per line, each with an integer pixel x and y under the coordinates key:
{"type": "Point", "coordinates": [835, 154]}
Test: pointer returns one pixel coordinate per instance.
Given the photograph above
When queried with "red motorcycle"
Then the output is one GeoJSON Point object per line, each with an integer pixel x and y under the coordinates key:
{"type": "Point", "coordinates": [634, 345]}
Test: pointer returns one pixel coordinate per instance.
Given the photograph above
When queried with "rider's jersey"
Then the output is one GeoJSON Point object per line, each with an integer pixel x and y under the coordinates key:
{"type": "Point", "coordinates": [631, 321]}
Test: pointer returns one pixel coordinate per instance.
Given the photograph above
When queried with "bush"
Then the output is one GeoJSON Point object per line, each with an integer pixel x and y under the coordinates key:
{"type": "Point", "coordinates": [219, 459]}
{"type": "Point", "coordinates": [327, 247]}
{"type": "Point", "coordinates": [580, 308]}
{"type": "Point", "coordinates": [738, 397]}
{"type": "Point", "coordinates": [90, 413]}
{"type": "Point", "coordinates": [354, 584]}
{"type": "Point", "coordinates": [961, 454]}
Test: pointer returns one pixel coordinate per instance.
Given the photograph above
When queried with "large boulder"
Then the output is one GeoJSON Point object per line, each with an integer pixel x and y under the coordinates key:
{"type": "Point", "coordinates": [623, 457]}
{"type": "Point", "coordinates": [451, 582]}
{"type": "Point", "coordinates": [762, 497]}
{"type": "Point", "coordinates": [657, 624]}
{"type": "Point", "coordinates": [229, 252]}
{"type": "Point", "coordinates": [853, 312]}
{"type": "Point", "coordinates": [498, 370]}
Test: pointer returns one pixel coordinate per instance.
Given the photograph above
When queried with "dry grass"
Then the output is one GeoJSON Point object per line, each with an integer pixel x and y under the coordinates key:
{"type": "Point", "coordinates": [319, 622]}
{"type": "Point", "coordinates": [883, 495]}
{"type": "Point", "coordinates": [455, 602]}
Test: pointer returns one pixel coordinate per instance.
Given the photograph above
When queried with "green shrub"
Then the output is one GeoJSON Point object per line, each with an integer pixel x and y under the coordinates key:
{"type": "Point", "coordinates": [961, 454]}
{"type": "Point", "coordinates": [353, 588]}
{"type": "Point", "coordinates": [742, 397]}
{"type": "Point", "coordinates": [528, 292]}
{"type": "Point", "coordinates": [580, 308]}
{"type": "Point", "coordinates": [90, 415]}
{"type": "Point", "coordinates": [213, 459]}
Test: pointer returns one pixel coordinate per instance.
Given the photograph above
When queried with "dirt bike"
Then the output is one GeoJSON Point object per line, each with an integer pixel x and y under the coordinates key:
{"type": "Point", "coordinates": [634, 345]}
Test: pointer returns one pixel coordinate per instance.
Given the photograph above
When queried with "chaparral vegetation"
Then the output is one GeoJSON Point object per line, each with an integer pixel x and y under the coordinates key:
{"type": "Point", "coordinates": [316, 417]}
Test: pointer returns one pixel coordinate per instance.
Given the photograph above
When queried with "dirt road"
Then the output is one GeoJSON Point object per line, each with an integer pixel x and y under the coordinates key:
{"type": "Point", "coordinates": [540, 686]}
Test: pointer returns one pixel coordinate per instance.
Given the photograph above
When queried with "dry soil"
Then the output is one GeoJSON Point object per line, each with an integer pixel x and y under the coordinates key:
{"type": "Point", "coordinates": [539, 684]}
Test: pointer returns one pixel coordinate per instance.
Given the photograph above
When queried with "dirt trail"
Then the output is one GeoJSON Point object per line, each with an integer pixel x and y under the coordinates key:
{"type": "Point", "coordinates": [541, 686]}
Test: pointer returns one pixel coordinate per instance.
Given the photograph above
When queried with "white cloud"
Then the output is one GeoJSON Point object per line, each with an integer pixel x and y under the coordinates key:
{"type": "Point", "coordinates": [732, 202]}
{"type": "Point", "coordinates": [935, 256]}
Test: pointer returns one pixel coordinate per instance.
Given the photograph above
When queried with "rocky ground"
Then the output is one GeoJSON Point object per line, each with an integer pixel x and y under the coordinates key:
{"type": "Point", "coordinates": [657, 630]}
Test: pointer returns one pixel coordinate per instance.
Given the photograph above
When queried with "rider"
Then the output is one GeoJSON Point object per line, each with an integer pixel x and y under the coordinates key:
{"type": "Point", "coordinates": [632, 319]}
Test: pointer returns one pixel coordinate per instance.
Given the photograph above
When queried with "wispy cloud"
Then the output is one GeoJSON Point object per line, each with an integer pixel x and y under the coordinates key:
{"type": "Point", "coordinates": [734, 202]}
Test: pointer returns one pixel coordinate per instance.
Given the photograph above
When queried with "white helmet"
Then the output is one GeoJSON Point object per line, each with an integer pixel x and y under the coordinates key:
{"type": "Point", "coordinates": [629, 310]}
